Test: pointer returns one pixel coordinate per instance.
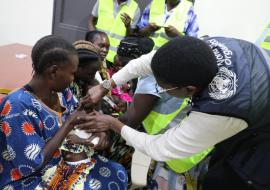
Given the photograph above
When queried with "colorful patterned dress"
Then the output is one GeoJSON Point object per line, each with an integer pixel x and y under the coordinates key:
{"type": "Point", "coordinates": [26, 124]}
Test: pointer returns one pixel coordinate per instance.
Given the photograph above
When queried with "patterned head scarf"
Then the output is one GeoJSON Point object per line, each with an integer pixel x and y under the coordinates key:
{"type": "Point", "coordinates": [86, 50]}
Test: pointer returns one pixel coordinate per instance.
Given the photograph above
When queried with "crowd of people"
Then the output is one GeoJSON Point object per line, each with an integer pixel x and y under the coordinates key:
{"type": "Point", "coordinates": [199, 107]}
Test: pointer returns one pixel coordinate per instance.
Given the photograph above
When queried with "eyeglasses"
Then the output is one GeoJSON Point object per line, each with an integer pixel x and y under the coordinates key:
{"type": "Point", "coordinates": [160, 90]}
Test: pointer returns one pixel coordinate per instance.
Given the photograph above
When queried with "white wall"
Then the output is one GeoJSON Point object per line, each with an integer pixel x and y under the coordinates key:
{"type": "Point", "coordinates": [25, 21]}
{"type": "Point", "coordinates": [243, 19]}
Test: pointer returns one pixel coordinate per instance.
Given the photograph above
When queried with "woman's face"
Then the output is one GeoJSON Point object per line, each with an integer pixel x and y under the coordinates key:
{"type": "Point", "coordinates": [87, 73]}
{"type": "Point", "coordinates": [103, 43]}
{"type": "Point", "coordinates": [64, 74]}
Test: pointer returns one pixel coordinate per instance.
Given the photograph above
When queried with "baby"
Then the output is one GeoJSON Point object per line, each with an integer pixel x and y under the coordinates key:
{"type": "Point", "coordinates": [75, 165]}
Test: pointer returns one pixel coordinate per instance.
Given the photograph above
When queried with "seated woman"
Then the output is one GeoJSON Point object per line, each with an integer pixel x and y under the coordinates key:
{"type": "Point", "coordinates": [35, 120]}
{"type": "Point", "coordinates": [101, 40]}
{"type": "Point", "coordinates": [89, 63]}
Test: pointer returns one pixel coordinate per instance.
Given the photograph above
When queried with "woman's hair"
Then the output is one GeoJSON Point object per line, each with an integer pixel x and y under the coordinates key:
{"type": "Point", "coordinates": [91, 35]}
{"type": "Point", "coordinates": [185, 61]}
{"type": "Point", "coordinates": [133, 46]}
{"type": "Point", "coordinates": [50, 50]}
{"type": "Point", "coordinates": [86, 52]}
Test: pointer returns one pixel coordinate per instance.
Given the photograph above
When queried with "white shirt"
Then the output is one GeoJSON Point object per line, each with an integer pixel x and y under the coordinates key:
{"type": "Point", "coordinates": [98, 77]}
{"type": "Point", "coordinates": [116, 10]}
{"type": "Point", "coordinates": [197, 132]}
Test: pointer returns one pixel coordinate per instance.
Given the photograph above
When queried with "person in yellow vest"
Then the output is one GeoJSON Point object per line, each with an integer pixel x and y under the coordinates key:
{"type": "Point", "coordinates": [158, 111]}
{"type": "Point", "coordinates": [166, 19]}
{"type": "Point", "coordinates": [116, 18]}
{"type": "Point", "coordinates": [264, 40]}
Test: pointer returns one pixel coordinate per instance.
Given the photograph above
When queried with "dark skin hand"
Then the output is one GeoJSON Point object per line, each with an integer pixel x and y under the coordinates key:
{"type": "Point", "coordinates": [92, 23]}
{"type": "Point", "coordinates": [121, 104]}
{"type": "Point", "coordinates": [149, 29]}
{"type": "Point", "coordinates": [94, 96]}
{"type": "Point", "coordinates": [172, 32]}
{"type": "Point", "coordinates": [54, 143]}
{"type": "Point", "coordinates": [126, 19]}
{"type": "Point", "coordinates": [136, 113]}
{"type": "Point", "coordinates": [99, 123]}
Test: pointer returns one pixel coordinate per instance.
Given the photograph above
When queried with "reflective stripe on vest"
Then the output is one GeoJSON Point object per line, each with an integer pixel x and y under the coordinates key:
{"type": "Point", "coordinates": [177, 19]}
{"type": "Point", "coordinates": [264, 40]}
{"type": "Point", "coordinates": [158, 123]}
{"type": "Point", "coordinates": [113, 26]}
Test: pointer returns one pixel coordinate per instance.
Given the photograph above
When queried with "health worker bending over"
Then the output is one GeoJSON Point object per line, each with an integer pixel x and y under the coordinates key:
{"type": "Point", "coordinates": [228, 81]}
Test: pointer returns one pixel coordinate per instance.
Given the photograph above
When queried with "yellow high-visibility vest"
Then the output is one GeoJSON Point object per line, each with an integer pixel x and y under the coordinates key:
{"type": "Point", "coordinates": [177, 19]}
{"type": "Point", "coordinates": [156, 122]}
{"type": "Point", "coordinates": [264, 40]}
{"type": "Point", "coordinates": [113, 26]}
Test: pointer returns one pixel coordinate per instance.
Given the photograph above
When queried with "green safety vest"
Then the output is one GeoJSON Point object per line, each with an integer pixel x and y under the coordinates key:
{"type": "Point", "coordinates": [113, 26]}
{"type": "Point", "coordinates": [156, 122]}
{"type": "Point", "coordinates": [177, 19]}
{"type": "Point", "coordinates": [264, 40]}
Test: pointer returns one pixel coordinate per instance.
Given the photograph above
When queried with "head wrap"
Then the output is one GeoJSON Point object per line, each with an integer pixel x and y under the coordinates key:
{"type": "Point", "coordinates": [134, 46]}
{"type": "Point", "coordinates": [86, 50]}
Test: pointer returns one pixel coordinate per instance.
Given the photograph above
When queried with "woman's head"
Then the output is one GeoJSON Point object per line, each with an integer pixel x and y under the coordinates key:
{"type": "Point", "coordinates": [186, 64]}
{"type": "Point", "coordinates": [101, 40]}
{"type": "Point", "coordinates": [89, 60]}
{"type": "Point", "coordinates": [132, 47]}
{"type": "Point", "coordinates": [56, 60]}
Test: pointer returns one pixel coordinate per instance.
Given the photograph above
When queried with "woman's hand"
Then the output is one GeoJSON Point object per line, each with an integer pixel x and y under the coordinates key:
{"type": "Point", "coordinates": [99, 123]}
{"type": "Point", "coordinates": [74, 119]}
{"type": "Point", "coordinates": [152, 27]}
{"type": "Point", "coordinates": [95, 123]}
{"type": "Point", "coordinates": [172, 32]}
{"type": "Point", "coordinates": [126, 19]}
{"type": "Point", "coordinates": [94, 95]}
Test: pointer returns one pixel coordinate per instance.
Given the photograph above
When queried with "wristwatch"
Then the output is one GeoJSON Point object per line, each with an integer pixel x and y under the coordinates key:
{"type": "Point", "coordinates": [107, 85]}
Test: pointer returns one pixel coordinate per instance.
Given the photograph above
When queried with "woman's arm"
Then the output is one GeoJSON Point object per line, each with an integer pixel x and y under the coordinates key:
{"type": "Point", "coordinates": [55, 142]}
{"type": "Point", "coordinates": [196, 133]}
{"type": "Point", "coordinates": [135, 68]}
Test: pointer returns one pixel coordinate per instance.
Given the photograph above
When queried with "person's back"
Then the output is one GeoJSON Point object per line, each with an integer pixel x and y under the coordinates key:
{"type": "Point", "coordinates": [240, 90]}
